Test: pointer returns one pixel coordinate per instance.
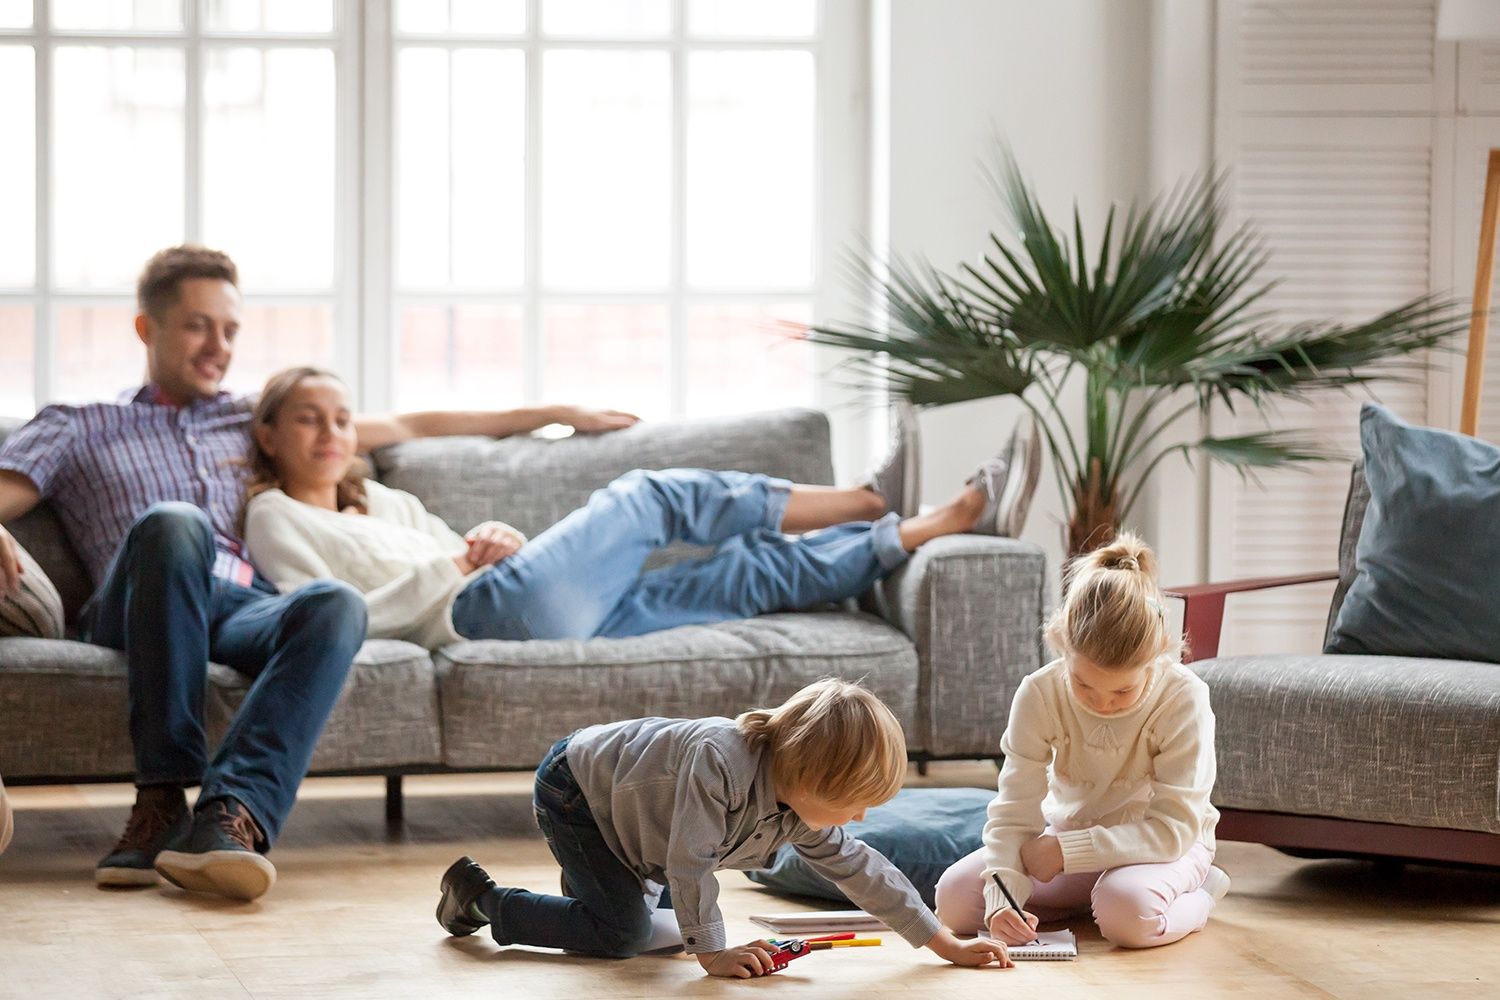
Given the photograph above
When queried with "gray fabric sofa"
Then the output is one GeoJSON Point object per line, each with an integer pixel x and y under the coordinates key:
{"type": "Point", "coordinates": [1351, 755]}
{"type": "Point", "coordinates": [945, 641]}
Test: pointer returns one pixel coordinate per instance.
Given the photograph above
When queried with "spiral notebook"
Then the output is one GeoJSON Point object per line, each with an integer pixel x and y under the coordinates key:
{"type": "Point", "coordinates": [1049, 946]}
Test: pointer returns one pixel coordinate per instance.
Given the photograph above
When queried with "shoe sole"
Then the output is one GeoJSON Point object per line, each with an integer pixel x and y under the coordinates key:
{"type": "Point", "coordinates": [1020, 485]}
{"type": "Point", "coordinates": [235, 874]}
{"type": "Point", "coordinates": [125, 878]}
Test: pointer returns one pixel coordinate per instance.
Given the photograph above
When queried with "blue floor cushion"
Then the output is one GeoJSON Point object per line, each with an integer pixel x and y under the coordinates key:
{"type": "Point", "coordinates": [922, 831]}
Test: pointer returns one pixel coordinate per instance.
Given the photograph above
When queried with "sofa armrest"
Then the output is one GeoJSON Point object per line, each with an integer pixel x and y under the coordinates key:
{"type": "Point", "coordinates": [973, 606]}
{"type": "Point", "coordinates": [1203, 608]}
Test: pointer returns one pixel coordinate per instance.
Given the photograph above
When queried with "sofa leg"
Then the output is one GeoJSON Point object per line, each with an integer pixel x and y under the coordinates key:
{"type": "Point", "coordinates": [922, 768]}
{"type": "Point", "coordinates": [394, 803]}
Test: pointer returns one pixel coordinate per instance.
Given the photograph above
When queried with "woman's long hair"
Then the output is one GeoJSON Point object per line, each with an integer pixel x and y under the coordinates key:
{"type": "Point", "coordinates": [262, 473]}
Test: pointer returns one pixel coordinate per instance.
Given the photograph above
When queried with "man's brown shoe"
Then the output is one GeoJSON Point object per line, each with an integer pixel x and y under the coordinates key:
{"type": "Point", "coordinates": [218, 853]}
{"type": "Point", "coordinates": [159, 813]}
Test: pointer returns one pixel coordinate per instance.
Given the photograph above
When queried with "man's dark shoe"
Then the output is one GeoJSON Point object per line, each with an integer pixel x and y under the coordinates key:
{"type": "Point", "coordinates": [217, 853]}
{"type": "Point", "coordinates": [462, 884]}
{"type": "Point", "coordinates": [160, 813]}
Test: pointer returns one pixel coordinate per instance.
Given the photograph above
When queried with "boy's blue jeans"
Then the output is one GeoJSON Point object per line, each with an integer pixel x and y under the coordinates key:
{"type": "Point", "coordinates": [582, 577]}
{"type": "Point", "coordinates": [160, 603]}
{"type": "Point", "coordinates": [609, 913]}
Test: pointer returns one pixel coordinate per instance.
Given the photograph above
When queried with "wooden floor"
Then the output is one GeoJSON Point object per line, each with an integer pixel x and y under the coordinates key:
{"type": "Point", "coordinates": [352, 916]}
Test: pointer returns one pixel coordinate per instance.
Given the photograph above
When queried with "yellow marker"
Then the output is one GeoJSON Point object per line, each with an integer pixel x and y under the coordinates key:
{"type": "Point", "coordinates": [851, 943]}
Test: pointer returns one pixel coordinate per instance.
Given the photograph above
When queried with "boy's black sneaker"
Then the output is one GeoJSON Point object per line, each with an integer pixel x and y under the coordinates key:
{"type": "Point", "coordinates": [160, 813]}
{"type": "Point", "coordinates": [462, 885]}
{"type": "Point", "coordinates": [218, 853]}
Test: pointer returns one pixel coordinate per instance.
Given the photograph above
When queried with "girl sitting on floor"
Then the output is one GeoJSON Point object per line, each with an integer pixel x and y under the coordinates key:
{"type": "Point", "coordinates": [1120, 736]}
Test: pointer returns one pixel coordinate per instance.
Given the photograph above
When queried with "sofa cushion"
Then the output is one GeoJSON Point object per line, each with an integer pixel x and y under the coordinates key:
{"type": "Point", "coordinates": [1355, 504]}
{"type": "Point", "coordinates": [505, 703]}
{"type": "Point", "coordinates": [64, 710]}
{"type": "Point", "coordinates": [533, 482]}
{"type": "Point", "coordinates": [922, 831]}
{"type": "Point", "coordinates": [34, 609]}
{"type": "Point", "coordinates": [1425, 581]}
{"type": "Point", "coordinates": [386, 716]}
{"type": "Point", "coordinates": [1380, 738]}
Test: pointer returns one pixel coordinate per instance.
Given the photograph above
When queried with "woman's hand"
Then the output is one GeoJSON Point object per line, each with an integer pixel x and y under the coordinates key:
{"type": "Point", "coordinates": [976, 952]}
{"type": "Point", "coordinates": [489, 543]}
{"type": "Point", "coordinates": [595, 421]}
{"type": "Point", "coordinates": [1043, 857]}
{"type": "Point", "coordinates": [1012, 927]}
{"type": "Point", "coordinates": [753, 959]}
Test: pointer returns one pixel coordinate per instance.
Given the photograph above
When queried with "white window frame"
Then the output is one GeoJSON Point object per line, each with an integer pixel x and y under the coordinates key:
{"type": "Point", "coordinates": [363, 296]}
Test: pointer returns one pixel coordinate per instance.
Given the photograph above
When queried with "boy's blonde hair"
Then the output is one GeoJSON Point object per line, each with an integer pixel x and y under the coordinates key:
{"type": "Point", "coordinates": [834, 741]}
{"type": "Point", "coordinates": [1113, 614]}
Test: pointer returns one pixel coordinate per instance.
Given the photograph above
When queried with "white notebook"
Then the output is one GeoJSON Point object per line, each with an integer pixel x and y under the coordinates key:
{"type": "Point", "coordinates": [1050, 946]}
{"type": "Point", "coordinates": [819, 922]}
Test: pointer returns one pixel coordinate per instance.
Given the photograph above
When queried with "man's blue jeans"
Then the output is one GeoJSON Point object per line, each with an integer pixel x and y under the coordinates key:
{"type": "Point", "coordinates": [582, 577]}
{"type": "Point", "coordinates": [160, 603]}
{"type": "Point", "coordinates": [609, 911]}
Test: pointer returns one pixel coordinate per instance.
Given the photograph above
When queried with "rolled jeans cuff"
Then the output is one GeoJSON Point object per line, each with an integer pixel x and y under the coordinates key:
{"type": "Point", "coordinates": [778, 494]}
{"type": "Point", "coordinates": [885, 538]}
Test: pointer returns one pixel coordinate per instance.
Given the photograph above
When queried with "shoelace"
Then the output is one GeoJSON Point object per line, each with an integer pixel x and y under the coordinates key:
{"type": "Point", "coordinates": [147, 822]}
{"type": "Point", "coordinates": [236, 823]}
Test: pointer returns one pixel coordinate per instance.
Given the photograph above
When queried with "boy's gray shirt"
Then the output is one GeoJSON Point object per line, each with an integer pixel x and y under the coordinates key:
{"type": "Point", "coordinates": [678, 799]}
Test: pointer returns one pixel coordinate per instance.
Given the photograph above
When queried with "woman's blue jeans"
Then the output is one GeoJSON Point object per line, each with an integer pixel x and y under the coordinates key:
{"type": "Point", "coordinates": [582, 578]}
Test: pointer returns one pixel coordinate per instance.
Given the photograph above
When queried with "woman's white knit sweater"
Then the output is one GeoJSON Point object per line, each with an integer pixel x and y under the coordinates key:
{"type": "Point", "coordinates": [1122, 789]}
{"type": "Point", "coordinates": [399, 556]}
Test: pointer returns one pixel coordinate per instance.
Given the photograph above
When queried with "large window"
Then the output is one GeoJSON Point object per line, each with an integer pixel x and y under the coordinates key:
{"type": "Point", "coordinates": [454, 202]}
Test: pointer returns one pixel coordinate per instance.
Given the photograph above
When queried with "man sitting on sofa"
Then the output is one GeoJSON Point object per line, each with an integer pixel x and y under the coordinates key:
{"type": "Point", "coordinates": [148, 490]}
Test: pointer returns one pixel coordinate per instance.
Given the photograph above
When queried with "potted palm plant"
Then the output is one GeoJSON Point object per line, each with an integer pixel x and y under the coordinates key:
{"type": "Point", "coordinates": [1162, 319]}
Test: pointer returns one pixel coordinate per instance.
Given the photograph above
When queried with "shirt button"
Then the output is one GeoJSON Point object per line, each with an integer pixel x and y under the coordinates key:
{"type": "Point", "coordinates": [692, 940]}
{"type": "Point", "coordinates": [757, 836]}
{"type": "Point", "coordinates": [190, 439]}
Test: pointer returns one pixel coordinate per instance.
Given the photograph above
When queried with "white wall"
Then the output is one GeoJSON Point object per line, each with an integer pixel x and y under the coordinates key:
{"type": "Point", "coordinates": [1069, 84]}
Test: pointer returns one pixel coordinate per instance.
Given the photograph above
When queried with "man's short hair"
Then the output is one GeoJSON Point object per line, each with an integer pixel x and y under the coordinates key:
{"type": "Point", "coordinates": [160, 285]}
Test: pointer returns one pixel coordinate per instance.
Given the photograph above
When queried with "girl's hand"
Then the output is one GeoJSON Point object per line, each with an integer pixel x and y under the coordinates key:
{"type": "Point", "coordinates": [595, 421]}
{"type": "Point", "coordinates": [970, 953]}
{"type": "Point", "coordinates": [1012, 927]}
{"type": "Point", "coordinates": [491, 542]}
{"type": "Point", "coordinates": [1043, 857]}
{"type": "Point", "coordinates": [753, 959]}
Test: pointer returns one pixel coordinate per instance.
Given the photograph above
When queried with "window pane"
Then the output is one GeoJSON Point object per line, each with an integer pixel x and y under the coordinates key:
{"type": "Point", "coordinates": [15, 13]}
{"type": "Point", "coordinates": [467, 356]}
{"type": "Point", "coordinates": [763, 18]}
{"type": "Point", "coordinates": [750, 169]}
{"type": "Point", "coordinates": [268, 154]}
{"type": "Point", "coordinates": [16, 398]}
{"type": "Point", "coordinates": [748, 357]}
{"type": "Point", "coordinates": [461, 17]}
{"type": "Point", "coordinates": [606, 164]}
{"type": "Point", "coordinates": [460, 170]}
{"type": "Point", "coordinates": [610, 356]}
{"type": "Point", "coordinates": [132, 15]}
{"type": "Point", "coordinates": [98, 355]}
{"type": "Point", "coordinates": [117, 191]}
{"type": "Point", "coordinates": [270, 15]}
{"type": "Point", "coordinates": [630, 18]}
{"type": "Point", "coordinates": [18, 166]}
{"type": "Point", "coordinates": [273, 337]}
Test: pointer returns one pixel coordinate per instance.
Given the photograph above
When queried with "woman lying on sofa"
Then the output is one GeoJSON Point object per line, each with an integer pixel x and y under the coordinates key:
{"type": "Point", "coordinates": [311, 514]}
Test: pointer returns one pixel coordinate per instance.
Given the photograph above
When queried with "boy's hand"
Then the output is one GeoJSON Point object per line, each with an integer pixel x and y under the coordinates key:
{"type": "Point", "coordinates": [976, 952]}
{"type": "Point", "coordinates": [753, 959]}
{"type": "Point", "coordinates": [1043, 857]}
{"type": "Point", "coordinates": [489, 543]}
{"type": "Point", "coordinates": [1012, 927]}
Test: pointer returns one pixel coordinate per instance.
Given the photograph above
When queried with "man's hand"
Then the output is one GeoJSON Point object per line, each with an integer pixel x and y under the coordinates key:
{"type": "Point", "coordinates": [10, 565]}
{"type": "Point", "coordinates": [595, 421]}
{"type": "Point", "coordinates": [753, 959]}
{"type": "Point", "coordinates": [1043, 857]}
{"type": "Point", "coordinates": [489, 543]}
{"type": "Point", "coordinates": [972, 953]}
{"type": "Point", "coordinates": [1012, 927]}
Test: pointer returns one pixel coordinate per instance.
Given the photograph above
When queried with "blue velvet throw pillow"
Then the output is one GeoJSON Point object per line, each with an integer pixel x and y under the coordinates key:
{"type": "Point", "coordinates": [922, 831]}
{"type": "Point", "coordinates": [1425, 579]}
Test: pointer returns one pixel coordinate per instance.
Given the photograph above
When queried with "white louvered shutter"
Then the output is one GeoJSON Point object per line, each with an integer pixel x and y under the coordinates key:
{"type": "Point", "coordinates": [1344, 200]}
